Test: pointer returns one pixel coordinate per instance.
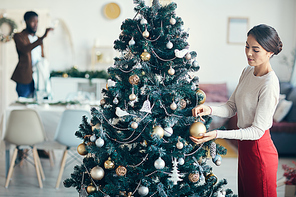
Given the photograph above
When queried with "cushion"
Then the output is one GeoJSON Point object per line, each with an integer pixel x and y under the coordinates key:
{"type": "Point", "coordinates": [215, 92]}
{"type": "Point", "coordinates": [285, 88]}
{"type": "Point", "coordinates": [282, 110]}
{"type": "Point", "coordinates": [291, 116]}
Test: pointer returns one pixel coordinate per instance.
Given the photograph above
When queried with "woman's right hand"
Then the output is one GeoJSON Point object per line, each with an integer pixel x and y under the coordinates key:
{"type": "Point", "coordinates": [201, 110]}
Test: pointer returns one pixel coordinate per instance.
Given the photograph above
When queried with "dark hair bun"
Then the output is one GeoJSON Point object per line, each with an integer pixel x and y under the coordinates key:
{"type": "Point", "coordinates": [279, 48]}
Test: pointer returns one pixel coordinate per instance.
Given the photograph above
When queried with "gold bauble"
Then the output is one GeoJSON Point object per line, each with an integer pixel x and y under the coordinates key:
{"type": "Point", "coordinates": [107, 86]}
{"type": "Point", "coordinates": [197, 128]}
{"type": "Point", "coordinates": [81, 149]}
{"type": "Point", "coordinates": [97, 173]}
{"type": "Point", "coordinates": [90, 189]}
{"type": "Point", "coordinates": [193, 177]}
{"type": "Point", "coordinates": [65, 75]}
{"type": "Point", "coordinates": [97, 126]}
{"type": "Point", "coordinates": [158, 130]}
{"type": "Point", "coordinates": [145, 56]}
{"type": "Point", "coordinates": [146, 33]}
{"type": "Point", "coordinates": [134, 125]}
{"type": "Point", "coordinates": [171, 71]}
{"type": "Point", "coordinates": [102, 102]}
{"type": "Point", "coordinates": [132, 97]}
{"type": "Point", "coordinates": [211, 176]}
{"type": "Point", "coordinates": [134, 79]}
{"type": "Point", "coordinates": [109, 164]}
{"type": "Point", "coordinates": [121, 171]}
{"type": "Point", "coordinates": [188, 56]}
{"type": "Point", "coordinates": [143, 73]}
{"type": "Point", "coordinates": [183, 104]}
{"type": "Point", "coordinates": [199, 91]}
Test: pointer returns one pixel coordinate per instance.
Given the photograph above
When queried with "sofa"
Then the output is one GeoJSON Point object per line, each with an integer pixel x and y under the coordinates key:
{"type": "Point", "coordinates": [283, 131]}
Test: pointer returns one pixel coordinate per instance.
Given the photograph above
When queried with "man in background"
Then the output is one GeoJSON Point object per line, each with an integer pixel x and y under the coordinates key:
{"type": "Point", "coordinates": [30, 49]}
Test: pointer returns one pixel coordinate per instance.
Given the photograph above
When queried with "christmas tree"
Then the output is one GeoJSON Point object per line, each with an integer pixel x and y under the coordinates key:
{"type": "Point", "coordinates": [137, 142]}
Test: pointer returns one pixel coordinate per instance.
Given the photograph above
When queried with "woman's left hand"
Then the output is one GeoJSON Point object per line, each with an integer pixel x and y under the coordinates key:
{"type": "Point", "coordinates": [206, 137]}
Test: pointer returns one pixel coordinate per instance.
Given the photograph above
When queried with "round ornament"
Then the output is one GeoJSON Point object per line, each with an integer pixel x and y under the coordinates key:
{"type": "Point", "coordinates": [97, 126]}
{"type": "Point", "coordinates": [134, 79]}
{"type": "Point", "coordinates": [65, 75]}
{"type": "Point", "coordinates": [86, 76]}
{"type": "Point", "coordinates": [115, 101]}
{"type": "Point", "coordinates": [132, 42]}
{"type": "Point", "coordinates": [90, 189]}
{"type": "Point", "coordinates": [100, 142]}
{"type": "Point", "coordinates": [146, 33]}
{"type": "Point", "coordinates": [134, 125]}
{"type": "Point", "coordinates": [211, 177]}
{"type": "Point", "coordinates": [109, 164]}
{"type": "Point", "coordinates": [143, 73]}
{"type": "Point", "coordinates": [121, 171]}
{"type": "Point", "coordinates": [173, 21]}
{"type": "Point", "coordinates": [143, 21]}
{"type": "Point", "coordinates": [171, 71]}
{"type": "Point", "coordinates": [145, 56]}
{"type": "Point", "coordinates": [181, 161]}
{"type": "Point", "coordinates": [132, 97]}
{"type": "Point", "coordinates": [199, 91]}
{"type": "Point", "coordinates": [195, 63]}
{"type": "Point", "coordinates": [97, 173]}
{"type": "Point", "coordinates": [173, 106]}
{"type": "Point", "coordinates": [168, 131]}
{"type": "Point", "coordinates": [183, 104]}
{"type": "Point", "coordinates": [188, 56]}
{"type": "Point", "coordinates": [193, 177]}
{"type": "Point", "coordinates": [102, 102]}
{"type": "Point", "coordinates": [143, 191]}
{"type": "Point", "coordinates": [179, 145]}
{"type": "Point", "coordinates": [93, 138]}
{"type": "Point", "coordinates": [81, 149]}
{"type": "Point", "coordinates": [217, 160]}
{"type": "Point", "coordinates": [169, 45]}
{"type": "Point", "coordinates": [158, 130]}
{"type": "Point", "coordinates": [197, 128]}
{"type": "Point", "coordinates": [159, 163]}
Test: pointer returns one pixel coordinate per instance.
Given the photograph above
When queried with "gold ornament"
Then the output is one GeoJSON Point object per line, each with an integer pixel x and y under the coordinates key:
{"type": "Point", "coordinates": [158, 130]}
{"type": "Point", "coordinates": [107, 87]}
{"type": "Point", "coordinates": [173, 106]}
{"type": "Point", "coordinates": [132, 97]}
{"type": "Point", "coordinates": [182, 104]}
{"type": "Point", "coordinates": [134, 79]}
{"type": "Point", "coordinates": [109, 164]}
{"type": "Point", "coordinates": [121, 171]}
{"type": "Point", "coordinates": [193, 177]}
{"type": "Point", "coordinates": [97, 126]}
{"type": "Point", "coordinates": [146, 33]}
{"type": "Point", "coordinates": [188, 56]}
{"type": "Point", "coordinates": [199, 91]}
{"type": "Point", "coordinates": [97, 173]}
{"type": "Point", "coordinates": [90, 189]}
{"type": "Point", "coordinates": [81, 149]}
{"type": "Point", "coordinates": [65, 75]}
{"type": "Point", "coordinates": [211, 176]}
{"type": "Point", "coordinates": [134, 125]}
{"type": "Point", "coordinates": [179, 145]}
{"type": "Point", "coordinates": [197, 128]}
{"type": "Point", "coordinates": [143, 73]}
{"type": "Point", "coordinates": [102, 102]}
{"type": "Point", "coordinates": [145, 56]}
{"type": "Point", "coordinates": [171, 71]}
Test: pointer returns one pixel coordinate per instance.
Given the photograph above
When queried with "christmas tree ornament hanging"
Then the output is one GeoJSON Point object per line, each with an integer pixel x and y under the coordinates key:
{"type": "Point", "coordinates": [217, 160]}
{"type": "Point", "coordinates": [158, 130]}
{"type": "Point", "coordinates": [188, 56]}
{"type": "Point", "coordinates": [97, 173]}
{"type": "Point", "coordinates": [168, 131]}
{"type": "Point", "coordinates": [146, 33]}
{"type": "Point", "coordinates": [65, 75]}
{"type": "Point", "coordinates": [143, 73]}
{"type": "Point", "coordinates": [180, 54]}
{"type": "Point", "coordinates": [134, 79]}
{"type": "Point", "coordinates": [109, 164]}
{"type": "Point", "coordinates": [203, 94]}
{"type": "Point", "coordinates": [193, 177]}
{"type": "Point", "coordinates": [211, 178]}
{"type": "Point", "coordinates": [132, 97]}
{"type": "Point", "coordinates": [145, 56]}
{"type": "Point", "coordinates": [179, 145]}
{"type": "Point", "coordinates": [121, 171]}
{"type": "Point", "coordinates": [175, 175]}
{"type": "Point", "coordinates": [120, 113]}
{"type": "Point", "coordinates": [159, 163]}
{"type": "Point", "coordinates": [97, 127]}
{"type": "Point", "coordinates": [182, 27]}
{"type": "Point", "coordinates": [173, 21]}
{"type": "Point", "coordinates": [102, 102]}
{"type": "Point", "coordinates": [146, 107]}
{"type": "Point", "coordinates": [169, 45]}
{"type": "Point", "coordinates": [173, 106]}
{"type": "Point", "coordinates": [115, 101]}
{"type": "Point", "coordinates": [93, 138]}
{"type": "Point", "coordinates": [195, 63]}
{"type": "Point", "coordinates": [143, 21]}
{"type": "Point", "coordinates": [132, 42]}
{"type": "Point", "coordinates": [143, 191]}
{"type": "Point", "coordinates": [100, 142]}
{"type": "Point", "coordinates": [91, 189]}
{"type": "Point", "coordinates": [196, 129]}
{"type": "Point", "coordinates": [183, 104]}
{"type": "Point", "coordinates": [81, 149]}
{"type": "Point", "coordinates": [171, 71]}
{"type": "Point", "coordinates": [181, 161]}
{"type": "Point", "coordinates": [134, 125]}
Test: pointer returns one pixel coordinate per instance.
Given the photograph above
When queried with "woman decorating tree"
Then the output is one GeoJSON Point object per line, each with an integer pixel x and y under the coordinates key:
{"type": "Point", "coordinates": [254, 100]}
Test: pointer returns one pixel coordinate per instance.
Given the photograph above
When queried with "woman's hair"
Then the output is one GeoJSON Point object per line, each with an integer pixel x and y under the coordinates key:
{"type": "Point", "coordinates": [267, 37]}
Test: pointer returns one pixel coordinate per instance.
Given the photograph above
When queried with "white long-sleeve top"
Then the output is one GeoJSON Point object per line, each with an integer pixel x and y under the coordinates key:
{"type": "Point", "coordinates": [254, 100]}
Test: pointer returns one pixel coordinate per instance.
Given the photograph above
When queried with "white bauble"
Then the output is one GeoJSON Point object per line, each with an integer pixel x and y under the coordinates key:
{"type": "Point", "coordinates": [179, 145]}
{"type": "Point", "coordinates": [168, 131]}
{"type": "Point", "coordinates": [173, 106]}
{"type": "Point", "coordinates": [143, 191]}
{"type": "Point", "coordinates": [143, 21]}
{"type": "Point", "coordinates": [159, 163]}
{"type": "Point", "coordinates": [173, 21]}
{"type": "Point", "coordinates": [169, 45]}
{"type": "Point", "coordinates": [100, 142]}
{"type": "Point", "coordinates": [132, 42]}
{"type": "Point", "coordinates": [93, 138]}
{"type": "Point", "coordinates": [97, 173]}
{"type": "Point", "coordinates": [171, 71]}
{"type": "Point", "coordinates": [181, 161]}
{"type": "Point", "coordinates": [134, 125]}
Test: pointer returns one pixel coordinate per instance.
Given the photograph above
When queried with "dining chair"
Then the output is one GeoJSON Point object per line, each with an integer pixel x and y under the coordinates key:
{"type": "Point", "coordinates": [65, 134]}
{"type": "Point", "coordinates": [24, 129]}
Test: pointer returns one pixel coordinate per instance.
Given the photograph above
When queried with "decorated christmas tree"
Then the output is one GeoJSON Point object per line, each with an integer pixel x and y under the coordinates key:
{"type": "Point", "coordinates": [137, 142]}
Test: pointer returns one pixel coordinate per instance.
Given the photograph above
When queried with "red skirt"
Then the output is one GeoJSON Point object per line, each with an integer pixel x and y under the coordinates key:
{"type": "Point", "coordinates": [257, 167]}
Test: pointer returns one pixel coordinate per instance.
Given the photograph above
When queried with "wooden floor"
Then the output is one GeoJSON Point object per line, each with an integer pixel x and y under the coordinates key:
{"type": "Point", "coordinates": [24, 180]}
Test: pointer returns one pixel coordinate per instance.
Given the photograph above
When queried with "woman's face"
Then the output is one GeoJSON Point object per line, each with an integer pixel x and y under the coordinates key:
{"type": "Point", "coordinates": [255, 53]}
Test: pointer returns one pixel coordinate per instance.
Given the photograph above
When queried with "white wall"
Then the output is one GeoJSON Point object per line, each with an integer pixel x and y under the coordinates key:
{"type": "Point", "coordinates": [206, 19]}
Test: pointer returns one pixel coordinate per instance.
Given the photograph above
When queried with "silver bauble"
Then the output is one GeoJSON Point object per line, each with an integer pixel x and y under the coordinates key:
{"type": "Point", "coordinates": [173, 106]}
{"type": "Point", "coordinates": [97, 173]}
{"type": "Point", "coordinates": [181, 161]}
{"type": "Point", "coordinates": [159, 163]}
{"type": "Point", "coordinates": [93, 138]}
{"type": "Point", "coordinates": [143, 191]}
{"type": "Point", "coordinates": [179, 145]}
{"type": "Point", "coordinates": [146, 34]}
{"type": "Point", "coordinates": [132, 97]}
{"type": "Point", "coordinates": [132, 42]}
{"type": "Point", "coordinates": [134, 125]}
{"type": "Point", "coordinates": [169, 45]}
{"type": "Point", "coordinates": [195, 63]}
{"type": "Point", "coordinates": [100, 142]}
{"type": "Point", "coordinates": [143, 21]}
{"type": "Point", "coordinates": [171, 71]}
{"type": "Point", "coordinates": [168, 131]}
{"type": "Point", "coordinates": [188, 56]}
{"type": "Point", "coordinates": [115, 101]}
{"type": "Point", "coordinates": [173, 21]}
